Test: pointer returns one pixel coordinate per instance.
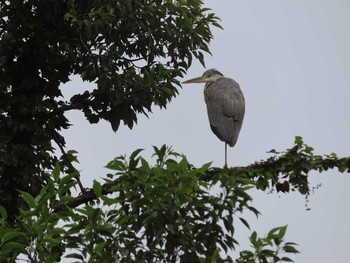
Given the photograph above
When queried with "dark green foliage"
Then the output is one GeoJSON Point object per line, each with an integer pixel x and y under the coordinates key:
{"type": "Point", "coordinates": [133, 50]}
{"type": "Point", "coordinates": [165, 212]}
{"type": "Point", "coordinates": [169, 211]}
{"type": "Point", "coordinates": [172, 210]}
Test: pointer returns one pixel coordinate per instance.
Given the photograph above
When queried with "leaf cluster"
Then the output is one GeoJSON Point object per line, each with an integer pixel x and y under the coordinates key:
{"type": "Point", "coordinates": [143, 213]}
{"type": "Point", "coordinates": [169, 211]}
{"type": "Point", "coordinates": [133, 51]}
{"type": "Point", "coordinates": [269, 248]}
{"type": "Point", "coordinates": [288, 170]}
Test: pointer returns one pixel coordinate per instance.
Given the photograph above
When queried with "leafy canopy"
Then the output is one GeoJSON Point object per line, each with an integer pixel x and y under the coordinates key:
{"type": "Point", "coordinates": [132, 50]}
{"type": "Point", "coordinates": [167, 212]}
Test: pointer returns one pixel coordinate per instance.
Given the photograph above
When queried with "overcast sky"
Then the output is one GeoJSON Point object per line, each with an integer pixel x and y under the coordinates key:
{"type": "Point", "coordinates": [292, 61]}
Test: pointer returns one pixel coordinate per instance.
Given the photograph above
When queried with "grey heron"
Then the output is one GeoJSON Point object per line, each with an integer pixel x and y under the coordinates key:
{"type": "Point", "coordinates": [225, 106]}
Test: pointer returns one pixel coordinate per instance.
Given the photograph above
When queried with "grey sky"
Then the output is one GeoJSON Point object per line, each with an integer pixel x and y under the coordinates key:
{"type": "Point", "coordinates": [292, 61]}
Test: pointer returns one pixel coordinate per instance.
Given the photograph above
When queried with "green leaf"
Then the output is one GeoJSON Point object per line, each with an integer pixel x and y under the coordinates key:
{"type": "Point", "coordinates": [298, 140]}
{"type": "Point", "coordinates": [308, 149]}
{"type": "Point", "coordinates": [145, 164]}
{"type": "Point", "coordinates": [253, 237]}
{"type": "Point", "coordinates": [286, 259]}
{"type": "Point", "coordinates": [3, 212]}
{"type": "Point", "coordinates": [205, 167]}
{"type": "Point", "coordinates": [66, 198]}
{"type": "Point", "coordinates": [99, 247]}
{"type": "Point", "coordinates": [115, 119]}
{"type": "Point", "coordinates": [244, 222]}
{"type": "Point", "coordinates": [333, 155]}
{"type": "Point", "coordinates": [97, 188]}
{"type": "Point", "coordinates": [12, 235]}
{"type": "Point", "coordinates": [67, 187]}
{"type": "Point", "coordinates": [116, 165]}
{"type": "Point", "coordinates": [201, 58]}
{"type": "Point", "coordinates": [28, 198]}
{"type": "Point", "coordinates": [56, 172]}
{"type": "Point", "coordinates": [12, 246]}
{"type": "Point", "coordinates": [282, 232]}
{"type": "Point", "coordinates": [64, 180]}
{"type": "Point", "coordinates": [290, 249]}
{"type": "Point", "coordinates": [272, 232]}
{"type": "Point", "coordinates": [134, 159]}
{"type": "Point", "coordinates": [110, 201]}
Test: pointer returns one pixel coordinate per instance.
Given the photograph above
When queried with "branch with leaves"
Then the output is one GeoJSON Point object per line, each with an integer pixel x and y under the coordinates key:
{"type": "Point", "coordinates": [166, 211]}
{"type": "Point", "coordinates": [284, 171]}
{"type": "Point", "coordinates": [132, 51]}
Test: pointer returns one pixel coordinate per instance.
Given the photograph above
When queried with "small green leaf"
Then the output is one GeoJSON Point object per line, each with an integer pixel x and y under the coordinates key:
{"type": "Point", "coordinates": [99, 247]}
{"type": "Point", "coordinates": [66, 198]}
{"type": "Point", "coordinates": [97, 188]}
{"type": "Point", "coordinates": [308, 149]}
{"type": "Point", "coordinates": [64, 180]}
{"type": "Point", "coordinates": [110, 201]}
{"type": "Point", "coordinates": [333, 155]}
{"type": "Point", "coordinates": [286, 259]}
{"type": "Point", "coordinates": [145, 164]}
{"type": "Point", "coordinates": [298, 140]}
{"type": "Point", "coordinates": [114, 117]}
{"type": "Point", "coordinates": [56, 172]}
{"type": "Point", "coordinates": [3, 212]}
{"type": "Point", "coordinates": [282, 231]}
{"type": "Point", "coordinates": [12, 246]}
{"type": "Point", "coordinates": [135, 153]}
{"type": "Point", "coordinates": [116, 165]}
{"type": "Point", "coordinates": [253, 237]}
{"type": "Point", "coordinates": [28, 198]}
{"type": "Point", "coordinates": [290, 249]}
{"type": "Point", "coordinates": [272, 232]}
{"type": "Point", "coordinates": [205, 167]}
{"type": "Point", "coordinates": [12, 235]}
{"type": "Point", "coordinates": [67, 187]}
{"type": "Point", "coordinates": [134, 159]}
{"type": "Point", "coordinates": [244, 222]}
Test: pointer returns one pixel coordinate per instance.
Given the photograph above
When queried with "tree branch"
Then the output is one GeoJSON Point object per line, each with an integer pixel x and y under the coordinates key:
{"type": "Point", "coordinates": [66, 107]}
{"type": "Point", "coordinates": [284, 171]}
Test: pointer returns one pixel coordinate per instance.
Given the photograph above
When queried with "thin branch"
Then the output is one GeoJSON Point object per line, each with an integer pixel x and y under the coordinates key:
{"type": "Point", "coordinates": [86, 197]}
{"type": "Point", "coordinates": [66, 107]}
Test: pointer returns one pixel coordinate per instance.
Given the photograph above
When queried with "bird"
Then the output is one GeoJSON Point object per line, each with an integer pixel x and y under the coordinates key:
{"type": "Point", "coordinates": [225, 106]}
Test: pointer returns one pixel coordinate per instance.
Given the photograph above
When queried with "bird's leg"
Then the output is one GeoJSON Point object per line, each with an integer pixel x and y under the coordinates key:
{"type": "Point", "coordinates": [225, 155]}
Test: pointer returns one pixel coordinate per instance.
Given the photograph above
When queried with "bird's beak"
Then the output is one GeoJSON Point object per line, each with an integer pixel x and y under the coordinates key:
{"type": "Point", "coordinates": [196, 80]}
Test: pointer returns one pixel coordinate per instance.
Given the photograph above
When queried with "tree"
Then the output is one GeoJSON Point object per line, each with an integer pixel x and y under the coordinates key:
{"type": "Point", "coordinates": [133, 50]}
{"type": "Point", "coordinates": [161, 213]}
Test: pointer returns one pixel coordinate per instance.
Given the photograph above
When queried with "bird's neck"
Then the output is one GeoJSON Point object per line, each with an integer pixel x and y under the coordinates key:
{"type": "Point", "coordinates": [208, 84]}
{"type": "Point", "coordinates": [206, 87]}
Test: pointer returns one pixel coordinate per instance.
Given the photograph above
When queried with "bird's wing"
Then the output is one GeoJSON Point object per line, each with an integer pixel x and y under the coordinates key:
{"type": "Point", "coordinates": [225, 105]}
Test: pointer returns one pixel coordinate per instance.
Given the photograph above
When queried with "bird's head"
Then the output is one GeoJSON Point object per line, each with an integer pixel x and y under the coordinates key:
{"type": "Point", "coordinates": [210, 75]}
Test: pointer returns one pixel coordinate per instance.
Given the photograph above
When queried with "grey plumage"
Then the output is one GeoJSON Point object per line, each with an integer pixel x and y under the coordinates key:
{"type": "Point", "coordinates": [225, 105]}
